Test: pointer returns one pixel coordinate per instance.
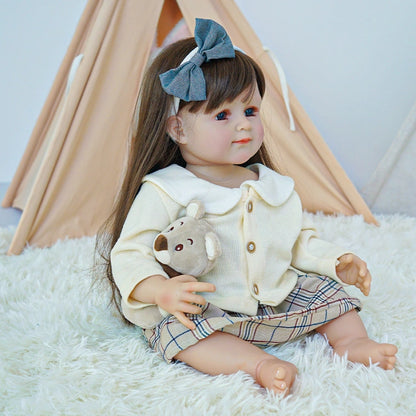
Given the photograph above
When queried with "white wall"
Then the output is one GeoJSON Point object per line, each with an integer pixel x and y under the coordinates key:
{"type": "Point", "coordinates": [351, 64]}
{"type": "Point", "coordinates": [34, 36]}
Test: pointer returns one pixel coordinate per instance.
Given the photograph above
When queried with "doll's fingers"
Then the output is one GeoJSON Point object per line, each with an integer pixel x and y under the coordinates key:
{"type": "Point", "coordinates": [185, 321]}
{"type": "Point", "coordinates": [200, 287]}
{"type": "Point", "coordinates": [367, 284]}
{"type": "Point", "coordinates": [364, 276]}
{"type": "Point", "coordinates": [349, 258]}
{"type": "Point", "coordinates": [364, 285]}
{"type": "Point", "coordinates": [344, 262]}
{"type": "Point", "coordinates": [185, 278]}
{"type": "Point", "coordinates": [365, 290]}
{"type": "Point", "coordinates": [346, 259]}
{"type": "Point", "coordinates": [189, 308]}
{"type": "Point", "coordinates": [363, 268]}
{"type": "Point", "coordinates": [193, 298]}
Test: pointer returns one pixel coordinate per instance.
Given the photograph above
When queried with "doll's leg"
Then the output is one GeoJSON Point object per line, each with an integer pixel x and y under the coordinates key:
{"type": "Point", "coordinates": [223, 353]}
{"type": "Point", "coordinates": [347, 334]}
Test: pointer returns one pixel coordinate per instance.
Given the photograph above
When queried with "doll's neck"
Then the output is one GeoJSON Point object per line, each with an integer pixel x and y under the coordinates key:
{"type": "Point", "coordinates": [229, 176]}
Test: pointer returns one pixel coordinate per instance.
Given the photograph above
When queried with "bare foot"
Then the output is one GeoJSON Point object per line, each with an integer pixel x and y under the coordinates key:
{"type": "Point", "coordinates": [276, 375]}
{"type": "Point", "coordinates": [362, 350]}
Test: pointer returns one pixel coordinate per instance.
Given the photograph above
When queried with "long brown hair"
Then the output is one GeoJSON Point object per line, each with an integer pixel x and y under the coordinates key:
{"type": "Point", "coordinates": [150, 147]}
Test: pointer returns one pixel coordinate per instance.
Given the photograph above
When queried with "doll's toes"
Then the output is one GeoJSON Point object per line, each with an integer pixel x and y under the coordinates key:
{"type": "Point", "coordinates": [276, 375]}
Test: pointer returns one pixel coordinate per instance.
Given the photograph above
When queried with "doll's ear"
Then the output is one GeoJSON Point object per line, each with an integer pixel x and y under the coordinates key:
{"type": "Point", "coordinates": [174, 129]}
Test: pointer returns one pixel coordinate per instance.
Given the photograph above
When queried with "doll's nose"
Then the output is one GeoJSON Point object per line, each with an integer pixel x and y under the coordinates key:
{"type": "Point", "coordinates": [243, 124]}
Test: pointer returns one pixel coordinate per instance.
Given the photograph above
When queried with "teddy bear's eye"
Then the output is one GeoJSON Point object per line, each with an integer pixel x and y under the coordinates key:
{"type": "Point", "coordinates": [171, 229]}
{"type": "Point", "coordinates": [179, 247]}
{"type": "Point", "coordinates": [181, 223]}
{"type": "Point", "coordinates": [190, 241]}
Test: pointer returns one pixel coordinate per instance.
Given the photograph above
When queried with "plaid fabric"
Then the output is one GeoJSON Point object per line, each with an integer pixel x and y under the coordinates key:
{"type": "Point", "coordinates": [314, 301]}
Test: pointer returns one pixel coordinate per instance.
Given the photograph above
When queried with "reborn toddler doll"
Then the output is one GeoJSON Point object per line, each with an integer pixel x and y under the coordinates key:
{"type": "Point", "coordinates": [200, 137]}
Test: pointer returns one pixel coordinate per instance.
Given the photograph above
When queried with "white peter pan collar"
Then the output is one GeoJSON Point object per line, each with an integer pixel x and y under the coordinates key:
{"type": "Point", "coordinates": [183, 186]}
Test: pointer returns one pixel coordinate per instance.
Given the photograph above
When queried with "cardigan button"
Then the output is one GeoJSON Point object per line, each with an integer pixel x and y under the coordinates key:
{"type": "Point", "coordinates": [255, 289]}
{"type": "Point", "coordinates": [249, 206]}
{"type": "Point", "coordinates": [251, 247]}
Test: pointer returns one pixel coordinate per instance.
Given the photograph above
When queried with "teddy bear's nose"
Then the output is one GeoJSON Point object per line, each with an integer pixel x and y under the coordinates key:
{"type": "Point", "coordinates": [161, 243]}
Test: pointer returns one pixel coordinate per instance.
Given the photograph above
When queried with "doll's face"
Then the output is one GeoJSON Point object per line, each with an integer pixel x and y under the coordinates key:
{"type": "Point", "coordinates": [231, 134]}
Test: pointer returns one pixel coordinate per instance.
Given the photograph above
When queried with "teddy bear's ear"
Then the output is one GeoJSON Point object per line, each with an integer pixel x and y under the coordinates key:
{"type": "Point", "coordinates": [195, 209]}
{"type": "Point", "coordinates": [160, 249]}
{"type": "Point", "coordinates": [212, 245]}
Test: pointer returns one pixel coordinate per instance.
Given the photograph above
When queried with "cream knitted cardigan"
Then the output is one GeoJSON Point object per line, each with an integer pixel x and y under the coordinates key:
{"type": "Point", "coordinates": [265, 241]}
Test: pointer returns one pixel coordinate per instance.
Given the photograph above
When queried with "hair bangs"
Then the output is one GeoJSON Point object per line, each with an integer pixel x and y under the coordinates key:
{"type": "Point", "coordinates": [226, 79]}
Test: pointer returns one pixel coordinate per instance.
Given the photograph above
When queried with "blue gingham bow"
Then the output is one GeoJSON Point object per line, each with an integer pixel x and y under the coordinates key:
{"type": "Point", "coordinates": [187, 81]}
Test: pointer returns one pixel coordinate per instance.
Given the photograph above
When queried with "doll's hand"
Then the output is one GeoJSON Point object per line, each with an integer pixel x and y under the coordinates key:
{"type": "Point", "coordinates": [353, 271]}
{"type": "Point", "coordinates": [177, 297]}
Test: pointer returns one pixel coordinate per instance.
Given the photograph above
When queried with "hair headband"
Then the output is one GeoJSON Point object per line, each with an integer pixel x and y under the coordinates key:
{"type": "Point", "coordinates": [187, 82]}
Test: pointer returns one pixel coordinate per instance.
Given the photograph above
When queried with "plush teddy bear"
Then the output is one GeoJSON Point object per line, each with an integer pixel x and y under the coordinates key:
{"type": "Point", "coordinates": [188, 245]}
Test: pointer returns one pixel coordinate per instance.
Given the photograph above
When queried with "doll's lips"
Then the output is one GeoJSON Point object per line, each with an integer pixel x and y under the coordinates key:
{"type": "Point", "coordinates": [242, 141]}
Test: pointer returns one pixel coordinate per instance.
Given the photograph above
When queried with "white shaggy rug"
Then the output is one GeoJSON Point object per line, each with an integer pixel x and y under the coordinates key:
{"type": "Point", "coordinates": [64, 352]}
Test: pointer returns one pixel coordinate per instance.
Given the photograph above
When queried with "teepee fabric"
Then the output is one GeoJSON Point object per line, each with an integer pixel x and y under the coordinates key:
{"type": "Point", "coordinates": [395, 174]}
{"type": "Point", "coordinates": [71, 170]}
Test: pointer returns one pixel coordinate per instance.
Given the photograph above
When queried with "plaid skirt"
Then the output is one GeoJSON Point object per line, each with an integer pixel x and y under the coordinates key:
{"type": "Point", "coordinates": [314, 301]}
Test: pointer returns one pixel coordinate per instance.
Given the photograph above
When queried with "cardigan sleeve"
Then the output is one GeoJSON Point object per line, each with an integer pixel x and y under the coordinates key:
{"type": "Point", "coordinates": [132, 258]}
{"type": "Point", "coordinates": [313, 255]}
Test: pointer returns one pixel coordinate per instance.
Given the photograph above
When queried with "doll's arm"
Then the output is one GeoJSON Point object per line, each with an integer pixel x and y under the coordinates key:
{"type": "Point", "coordinates": [176, 295]}
{"type": "Point", "coordinates": [353, 271]}
{"type": "Point", "coordinates": [140, 278]}
{"type": "Point", "coordinates": [132, 259]}
{"type": "Point", "coordinates": [313, 255]}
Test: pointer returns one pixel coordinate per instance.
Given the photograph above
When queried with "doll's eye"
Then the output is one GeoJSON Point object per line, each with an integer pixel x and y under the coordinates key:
{"type": "Point", "coordinates": [250, 112]}
{"type": "Point", "coordinates": [190, 241]}
{"type": "Point", "coordinates": [221, 116]}
{"type": "Point", "coordinates": [179, 247]}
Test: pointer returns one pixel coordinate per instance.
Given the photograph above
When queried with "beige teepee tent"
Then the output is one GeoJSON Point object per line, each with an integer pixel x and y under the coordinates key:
{"type": "Point", "coordinates": [70, 172]}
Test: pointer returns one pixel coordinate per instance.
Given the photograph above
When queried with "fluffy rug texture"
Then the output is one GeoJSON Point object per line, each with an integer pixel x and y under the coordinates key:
{"type": "Point", "coordinates": [64, 351]}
